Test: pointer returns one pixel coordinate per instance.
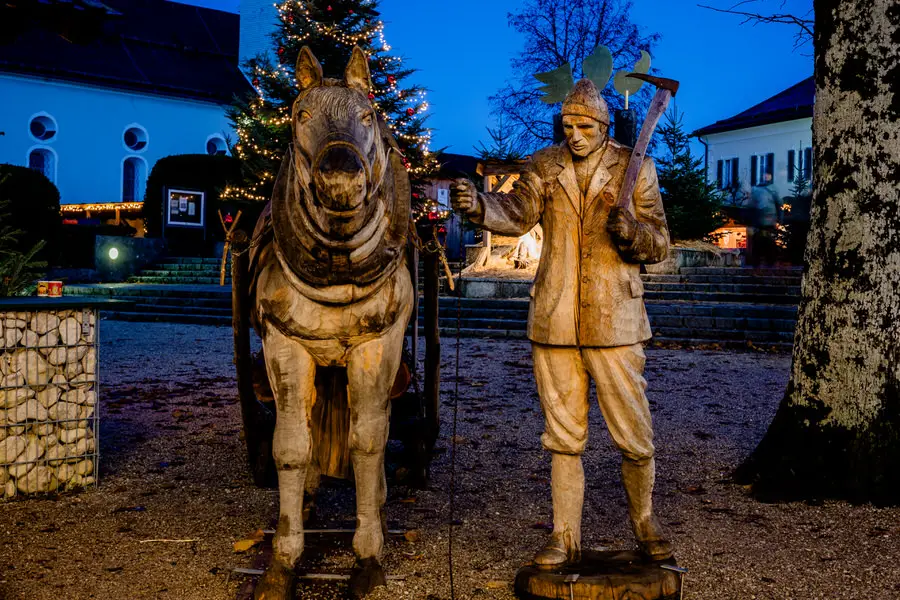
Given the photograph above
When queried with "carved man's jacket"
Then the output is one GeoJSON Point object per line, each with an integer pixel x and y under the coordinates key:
{"type": "Point", "coordinates": [587, 291]}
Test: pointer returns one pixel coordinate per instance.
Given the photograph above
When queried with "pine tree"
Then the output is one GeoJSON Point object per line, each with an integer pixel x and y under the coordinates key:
{"type": "Point", "coordinates": [693, 205]}
{"type": "Point", "coordinates": [331, 28]}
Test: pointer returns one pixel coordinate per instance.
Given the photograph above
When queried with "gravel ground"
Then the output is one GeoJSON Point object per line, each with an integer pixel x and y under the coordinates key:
{"type": "Point", "coordinates": [172, 467]}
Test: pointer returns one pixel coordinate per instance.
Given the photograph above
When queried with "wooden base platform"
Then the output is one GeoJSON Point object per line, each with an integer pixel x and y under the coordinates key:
{"type": "Point", "coordinates": [615, 575]}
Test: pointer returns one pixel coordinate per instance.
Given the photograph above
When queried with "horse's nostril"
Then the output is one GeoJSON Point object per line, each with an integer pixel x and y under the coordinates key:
{"type": "Point", "coordinates": [340, 158]}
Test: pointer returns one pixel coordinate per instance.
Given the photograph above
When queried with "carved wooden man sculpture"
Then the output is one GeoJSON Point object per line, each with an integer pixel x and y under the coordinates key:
{"type": "Point", "coordinates": [587, 315]}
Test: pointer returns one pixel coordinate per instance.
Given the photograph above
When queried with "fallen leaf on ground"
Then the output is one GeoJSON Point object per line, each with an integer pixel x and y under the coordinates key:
{"type": "Point", "coordinates": [497, 585]}
{"type": "Point", "coordinates": [250, 541]}
{"type": "Point", "coordinates": [411, 536]}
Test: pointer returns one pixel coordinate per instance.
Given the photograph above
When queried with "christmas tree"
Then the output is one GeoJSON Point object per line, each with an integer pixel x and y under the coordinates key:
{"type": "Point", "coordinates": [331, 28]}
{"type": "Point", "coordinates": [693, 205]}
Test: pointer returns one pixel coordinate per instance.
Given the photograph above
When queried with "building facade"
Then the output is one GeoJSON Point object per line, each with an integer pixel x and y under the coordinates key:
{"type": "Point", "coordinates": [772, 139]}
{"type": "Point", "coordinates": [95, 108]}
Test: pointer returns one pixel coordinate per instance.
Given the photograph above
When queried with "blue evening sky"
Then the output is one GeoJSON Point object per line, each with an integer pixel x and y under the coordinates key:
{"type": "Point", "coordinates": [462, 50]}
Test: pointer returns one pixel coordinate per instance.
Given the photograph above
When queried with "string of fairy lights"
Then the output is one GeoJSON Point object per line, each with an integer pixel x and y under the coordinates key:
{"type": "Point", "coordinates": [265, 112]}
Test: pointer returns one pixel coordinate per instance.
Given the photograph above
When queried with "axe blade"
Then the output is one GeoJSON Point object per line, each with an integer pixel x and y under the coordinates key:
{"type": "Point", "coordinates": [662, 83]}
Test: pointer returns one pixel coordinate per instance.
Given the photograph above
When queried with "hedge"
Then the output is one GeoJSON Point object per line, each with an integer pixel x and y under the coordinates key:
{"type": "Point", "coordinates": [207, 173]}
{"type": "Point", "coordinates": [34, 207]}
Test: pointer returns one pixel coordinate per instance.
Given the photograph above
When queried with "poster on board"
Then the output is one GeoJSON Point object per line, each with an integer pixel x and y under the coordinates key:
{"type": "Point", "coordinates": [185, 208]}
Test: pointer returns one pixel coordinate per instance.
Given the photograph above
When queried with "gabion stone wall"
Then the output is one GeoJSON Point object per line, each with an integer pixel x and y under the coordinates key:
{"type": "Point", "coordinates": [48, 401]}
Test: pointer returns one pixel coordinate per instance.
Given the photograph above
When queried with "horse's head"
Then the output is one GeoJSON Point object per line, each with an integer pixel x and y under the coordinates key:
{"type": "Point", "coordinates": [339, 153]}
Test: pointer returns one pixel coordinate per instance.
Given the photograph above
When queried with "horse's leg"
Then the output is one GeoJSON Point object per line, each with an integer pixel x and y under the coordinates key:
{"type": "Point", "coordinates": [371, 369]}
{"type": "Point", "coordinates": [292, 373]}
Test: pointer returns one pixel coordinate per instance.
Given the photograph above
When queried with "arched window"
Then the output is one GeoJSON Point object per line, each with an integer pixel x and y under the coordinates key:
{"type": "Point", "coordinates": [42, 127]}
{"type": "Point", "coordinates": [215, 144]}
{"type": "Point", "coordinates": [135, 138]}
{"type": "Point", "coordinates": [134, 179]}
{"type": "Point", "coordinates": [43, 160]}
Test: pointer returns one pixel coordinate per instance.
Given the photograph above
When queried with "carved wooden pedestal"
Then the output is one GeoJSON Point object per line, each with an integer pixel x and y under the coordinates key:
{"type": "Point", "coordinates": [612, 575]}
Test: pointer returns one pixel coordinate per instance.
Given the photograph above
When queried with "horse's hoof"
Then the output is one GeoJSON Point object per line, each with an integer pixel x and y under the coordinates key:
{"type": "Point", "coordinates": [367, 575]}
{"type": "Point", "coordinates": [277, 583]}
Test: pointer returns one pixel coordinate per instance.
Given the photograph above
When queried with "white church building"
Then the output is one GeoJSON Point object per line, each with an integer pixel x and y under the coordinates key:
{"type": "Point", "coordinates": [95, 100]}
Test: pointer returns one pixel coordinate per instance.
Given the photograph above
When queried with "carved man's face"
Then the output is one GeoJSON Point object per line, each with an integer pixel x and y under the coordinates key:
{"type": "Point", "coordinates": [583, 134]}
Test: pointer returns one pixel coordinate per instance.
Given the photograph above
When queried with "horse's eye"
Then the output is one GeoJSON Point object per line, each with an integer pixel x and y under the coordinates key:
{"type": "Point", "coordinates": [368, 118]}
{"type": "Point", "coordinates": [305, 116]}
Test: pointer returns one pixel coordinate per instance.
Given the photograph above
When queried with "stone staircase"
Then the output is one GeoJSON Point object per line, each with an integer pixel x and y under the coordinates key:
{"type": "Point", "coordinates": [205, 271]}
{"type": "Point", "coordinates": [726, 306]}
{"type": "Point", "coordinates": [183, 271]}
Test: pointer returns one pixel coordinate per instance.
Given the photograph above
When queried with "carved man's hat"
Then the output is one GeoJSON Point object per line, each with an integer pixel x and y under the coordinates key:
{"type": "Point", "coordinates": [585, 101]}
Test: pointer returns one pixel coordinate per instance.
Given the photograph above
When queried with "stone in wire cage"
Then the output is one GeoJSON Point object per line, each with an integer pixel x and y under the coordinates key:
{"type": "Point", "coordinates": [48, 401]}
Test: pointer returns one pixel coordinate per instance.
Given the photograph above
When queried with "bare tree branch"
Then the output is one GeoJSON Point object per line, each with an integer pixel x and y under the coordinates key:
{"type": "Point", "coordinates": [804, 24]}
{"type": "Point", "coordinates": [558, 32]}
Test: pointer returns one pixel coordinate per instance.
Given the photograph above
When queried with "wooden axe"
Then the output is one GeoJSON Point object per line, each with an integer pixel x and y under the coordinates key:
{"type": "Point", "coordinates": [665, 90]}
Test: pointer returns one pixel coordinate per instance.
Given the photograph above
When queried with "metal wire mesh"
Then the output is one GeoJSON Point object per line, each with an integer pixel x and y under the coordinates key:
{"type": "Point", "coordinates": [48, 401]}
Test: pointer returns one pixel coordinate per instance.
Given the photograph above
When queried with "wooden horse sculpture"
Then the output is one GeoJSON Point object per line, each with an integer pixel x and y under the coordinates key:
{"type": "Point", "coordinates": [332, 296]}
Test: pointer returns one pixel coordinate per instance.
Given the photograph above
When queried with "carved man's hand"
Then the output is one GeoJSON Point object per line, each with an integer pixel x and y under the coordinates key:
{"type": "Point", "coordinates": [622, 226]}
{"type": "Point", "coordinates": [464, 198]}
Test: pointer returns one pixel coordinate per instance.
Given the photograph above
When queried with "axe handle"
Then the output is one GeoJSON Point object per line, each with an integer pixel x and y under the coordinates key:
{"type": "Point", "coordinates": [657, 109]}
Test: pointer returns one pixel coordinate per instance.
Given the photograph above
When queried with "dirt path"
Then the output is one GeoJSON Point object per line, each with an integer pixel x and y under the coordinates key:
{"type": "Point", "coordinates": [172, 467]}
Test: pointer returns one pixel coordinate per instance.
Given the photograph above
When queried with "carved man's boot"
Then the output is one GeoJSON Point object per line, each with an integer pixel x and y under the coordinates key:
{"type": "Point", "coordinates": [638, 477]}
{"type": "Point", "coordinates": [567, 485]}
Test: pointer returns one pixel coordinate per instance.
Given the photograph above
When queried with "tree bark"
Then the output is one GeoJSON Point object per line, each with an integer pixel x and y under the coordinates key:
{"type": "Point", "coordinates": [837, 431]}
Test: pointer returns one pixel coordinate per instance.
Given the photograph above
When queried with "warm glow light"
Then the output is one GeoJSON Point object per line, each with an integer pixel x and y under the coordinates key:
{"type": "Point", "coordinates": [113, 253]}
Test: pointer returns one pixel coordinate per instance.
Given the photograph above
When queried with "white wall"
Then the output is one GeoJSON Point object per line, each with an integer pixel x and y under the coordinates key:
{"type": "Point", "coordinates": [777, 138]}
{"type": "Point", "coordinates": [91, 122]}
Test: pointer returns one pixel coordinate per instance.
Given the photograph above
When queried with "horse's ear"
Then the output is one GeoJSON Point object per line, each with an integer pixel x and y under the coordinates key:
{"type": "Point", "coordinates": [309, 71]}
{"type": "Point", "coordinates": [357, 75]}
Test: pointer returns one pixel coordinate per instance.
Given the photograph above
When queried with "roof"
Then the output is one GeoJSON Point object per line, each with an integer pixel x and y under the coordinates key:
{"type": "Point", "coordinates": [139, 45]}
{"type": "Point", "coordinates": [455, 165]}
{"type": "Point", "coordinates": [796, 102]}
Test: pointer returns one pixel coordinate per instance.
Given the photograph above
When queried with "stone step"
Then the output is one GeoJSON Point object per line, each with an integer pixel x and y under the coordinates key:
{"type": "Point", "coordinates": [726, 310]}
{"type": "Point", "coordinates": [743, 271]}
{"type": "Point", "coordinates": [681, 296]}
{"type": "Point", "coordinates": [191, 319]}
{"type": "Point", "coordinates": [127, 290]}
{"type": "Point", "coordinates": [182, 280]}
{"type": "Point", "coordinates": [149, 307]}
{"type": "Point", "coordinates": [192, 260]}
{"type": "Point", "coordinates": [159, 272]}
{"type": "Point", "coordinates": [727, 288]}
{"type": "Point", "coordinates": [722, 279]}
{"type": "Point", "coordinates": [185, 303]}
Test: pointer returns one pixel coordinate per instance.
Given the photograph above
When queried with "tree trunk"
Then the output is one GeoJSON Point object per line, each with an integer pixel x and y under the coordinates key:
{"type": "Point", "coordinates": [837, 431]}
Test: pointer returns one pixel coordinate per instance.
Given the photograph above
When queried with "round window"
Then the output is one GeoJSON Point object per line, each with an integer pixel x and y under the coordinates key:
{"type": "Point", "coordinates": [135, 138]}
{"type": "Point", "coordinates": [216, 145]}
{"type": "Point", "coordinates": [42, 128]}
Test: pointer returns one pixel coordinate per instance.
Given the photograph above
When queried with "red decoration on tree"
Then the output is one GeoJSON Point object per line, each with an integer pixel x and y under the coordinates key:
{"type": "Point", "coordinates": [410, 112]}
{"type": "Point", "coordinates": [290, 18]}
{"type": "Point", "coordinates": [329, 8]}
{"type": "Point", "coordinates": [351, 11]}
{"type": "Point", "coordinates": [256, 81]}
{"type": "Point", "coordinates": [371, 96]}
{"type": "Point", "coordinates": [392, 79]}
{"type": "Point", "coordinates": [368, 20]}
{"type": "Point", "coordinates": [281, 51]}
